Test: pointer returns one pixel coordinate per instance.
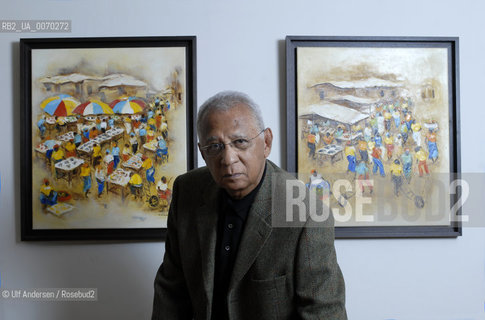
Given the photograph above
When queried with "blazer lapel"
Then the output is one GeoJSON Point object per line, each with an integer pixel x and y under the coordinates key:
{"type": "Point", "coordinates": [256, 232]}
{"type": "Point", "coordinates": [207, 232]}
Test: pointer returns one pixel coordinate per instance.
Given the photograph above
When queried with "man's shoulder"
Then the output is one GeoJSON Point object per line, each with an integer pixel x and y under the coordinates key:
{"type": "Point", "coordinates": [277, 180]}
{"type": "Point", "coordinates": [275, 170]}
{"type": "Point", "coordinates": [196, 177]}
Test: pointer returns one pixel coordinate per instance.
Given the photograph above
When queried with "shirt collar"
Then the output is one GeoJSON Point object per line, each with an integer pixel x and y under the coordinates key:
{"type": "Point", "coordinates": [241, 206]}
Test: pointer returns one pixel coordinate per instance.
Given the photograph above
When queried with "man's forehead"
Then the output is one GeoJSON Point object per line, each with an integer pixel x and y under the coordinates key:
{"type": "Point", "coordinates": [235, 122]}
{"type": "Point", "coordinates": [231, 133]}
{"type": "Point", "coordinates": [236, 112]}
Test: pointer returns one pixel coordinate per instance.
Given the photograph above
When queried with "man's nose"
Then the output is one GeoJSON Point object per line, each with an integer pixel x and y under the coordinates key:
{"type": "Point", "coordinates": [229, 155]}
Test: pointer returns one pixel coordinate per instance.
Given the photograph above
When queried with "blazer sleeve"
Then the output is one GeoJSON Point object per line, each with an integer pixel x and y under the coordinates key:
{"type": "Point", "coordinates": [319, 283]}
{"type": "Point", "coordinates": [171, 298]}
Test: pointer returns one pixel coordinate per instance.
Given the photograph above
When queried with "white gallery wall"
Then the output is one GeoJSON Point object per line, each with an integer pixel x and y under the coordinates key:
{"type": "Point", "coordinates": [240, 45]}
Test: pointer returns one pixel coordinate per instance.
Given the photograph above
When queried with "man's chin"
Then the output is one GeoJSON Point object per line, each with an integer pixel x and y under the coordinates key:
{"type": "Point", "coordinates": [236, 189]}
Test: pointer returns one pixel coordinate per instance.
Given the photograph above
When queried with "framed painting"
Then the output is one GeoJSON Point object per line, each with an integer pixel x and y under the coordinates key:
{"type": "Point", "coordinates": [373, 129]}
{"type": "Point", "coordinates": [107, 125]}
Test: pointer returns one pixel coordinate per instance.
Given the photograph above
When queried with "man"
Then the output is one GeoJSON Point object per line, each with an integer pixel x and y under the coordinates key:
{"type": "Point", "coordinates": [387, 119]}
{"type": "Point", "coordinates": [85, 135]}
{"type": "Point", "coordinates": [162, 150]}
{"type": "Point", "coordinates": [109, 163]}
{"type": "Point", "coordinates": [416, 128]}
{"type": "Point", "coordinates": [93, 133]}
{"type": "Point", "coordinates": [421, 157]}
{"type": "Point", "coordinates": [143, 134]}
{"type": "Point", "coordinates": [77, 139]}
{"type": "Point", "coordinates": [136, 185]}
{"type": "Point", "coordinates": [364, 156]}
{"type": "Point", "coordinates": [350, 154]}
{"type": "Point", "coordinates": [133, 142]}
{"type": "Point", "coordinates": [152, 123]}
{"type": "Point", "coordinates": [328, 138]}
{"type": "Point", "coordinates": [320, 185]}
{"type": "Point", "coordinates": [311, 143]}
{"type": "Point", "coordinates": [150, 134]}
{"type": "Point", "coordinates": [126, 153]}
{"type": "Point", "coordinates": [396, 176]}
{"type": "Point", "coordinates": [86, 177]}
{"type": "Point", "coordinates": [404, 132]}
{"type": "Point", "coordinates": [362, 172]}
{"type": "Point", "coordinates": [48, 196]}
{"type": "Point", "coordinates": [96, 154]}
{"type": "Point", "coordinates": [376, 158]}
{"type": "Point", "coordinates": [164, 130]}
{"type": "Point", "coordinates": [149, 169]}
{"type": "Point", "coordinates": [164, 192]}
{"type": "Point", "coordinates": [407, 164]}
{"type": "Point", "coordinates": [58, 154]}
{"type": "Point", "coordinates": [41, 126]}
{"type": "Point", "coordinates": [103, 126]}
{"type": "Point", "coordinates": [223, 257]}
{"type": "Point", "coordinates": [111, 123]}
{"type": "Point", "coordinates": [432, 146]}
{"type": "Point", "coordinates": [100, 175]}
{"type": "Point", "coordinates": [70, 149]}
{"type": "Point", "coordinates": [115, 151]}
{"type": "Point", "coordinates": [389, 144]}
{"type": "Point", "coordinates": [315, 176]}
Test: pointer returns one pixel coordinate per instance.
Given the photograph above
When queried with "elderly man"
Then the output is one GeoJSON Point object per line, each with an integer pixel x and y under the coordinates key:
{"type": "Point", "coordinates": [224, 259]}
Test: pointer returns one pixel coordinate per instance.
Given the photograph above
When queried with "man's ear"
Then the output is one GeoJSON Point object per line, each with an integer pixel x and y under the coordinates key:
{"type": "Point", "coordinates": [201, 153]}
{"type": "Point", "coordinates": [268, 141]}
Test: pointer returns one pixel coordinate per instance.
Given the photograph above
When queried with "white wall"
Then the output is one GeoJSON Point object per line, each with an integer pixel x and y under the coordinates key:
{"type": "Point", "coordinates": [240, 46]}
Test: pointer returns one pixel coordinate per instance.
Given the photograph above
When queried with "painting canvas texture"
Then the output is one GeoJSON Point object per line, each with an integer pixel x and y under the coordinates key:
{"type": "Point", "coordinates": [380, 114]}
{"type": "Point", "coordinates": [108, 136]}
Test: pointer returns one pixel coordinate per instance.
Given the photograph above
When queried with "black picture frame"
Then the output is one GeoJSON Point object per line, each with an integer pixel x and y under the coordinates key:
{"type": "Point", "coordinates": [299, 50]}
{"type": "Point", "coordinates": [172, 98]}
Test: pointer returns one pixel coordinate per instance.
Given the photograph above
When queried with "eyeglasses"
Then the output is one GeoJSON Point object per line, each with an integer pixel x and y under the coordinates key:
{"type": "Point", "coordinates": [241, 144]}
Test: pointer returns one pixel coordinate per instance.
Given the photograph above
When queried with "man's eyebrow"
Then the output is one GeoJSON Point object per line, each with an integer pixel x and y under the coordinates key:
{"type": "Point", "coordinates": [238, 136]}
{"type": "Point", "coordinates": [232, 137]}
{"type": "Point", "coordinates": [211, 139]}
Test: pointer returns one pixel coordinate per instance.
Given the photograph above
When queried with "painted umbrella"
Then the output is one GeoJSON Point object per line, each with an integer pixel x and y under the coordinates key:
{"type": "Point", "coordinates": [93, 107]}
{"type": "Point", "coordinates": [129, 105]}
{"type": "Point", "coordinates": [61, 105]}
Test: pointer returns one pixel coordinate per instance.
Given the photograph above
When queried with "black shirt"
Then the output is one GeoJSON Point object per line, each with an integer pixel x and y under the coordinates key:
{"type": "Point", "coordinates": [232, 218]}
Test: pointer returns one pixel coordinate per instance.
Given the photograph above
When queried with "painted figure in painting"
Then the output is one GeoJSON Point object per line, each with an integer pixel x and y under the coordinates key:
{"type": "Point", "coordinates": [396, 175]}
{"type": "Point", "coordinates": [376, 158]}
{"type": "Point", "coordinates": [432, 146]}
{"type": "Point", "coordinates": [421, 158]}
{"type": "Point", "coordinates": [48, 196]}
{"type": "Point", "coordinates": [362, 172]}
{"type": "Point", "coordinates": [100, 176]}
{"type": "Point", "coordinates": [350, 154]}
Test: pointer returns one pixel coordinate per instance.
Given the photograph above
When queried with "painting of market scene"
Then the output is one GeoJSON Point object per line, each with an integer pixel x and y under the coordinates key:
{"type": "Point", "coordinates": [108, 136]}
{"type": "Point", "coordinates": [378, 114]}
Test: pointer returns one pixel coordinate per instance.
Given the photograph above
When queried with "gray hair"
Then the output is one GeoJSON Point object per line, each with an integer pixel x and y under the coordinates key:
{"type": "Point", "coordinates": [225, 100]}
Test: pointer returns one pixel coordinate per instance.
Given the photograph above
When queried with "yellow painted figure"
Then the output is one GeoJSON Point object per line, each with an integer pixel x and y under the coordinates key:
{"type": "Point", "coordinates": [86, 176]}
{"type": "Point", "coordinates": [396, 175]}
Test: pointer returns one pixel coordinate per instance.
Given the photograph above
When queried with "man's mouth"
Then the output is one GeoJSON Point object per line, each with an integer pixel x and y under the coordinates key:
{"type": "Point", "coordinates": [232, 176]}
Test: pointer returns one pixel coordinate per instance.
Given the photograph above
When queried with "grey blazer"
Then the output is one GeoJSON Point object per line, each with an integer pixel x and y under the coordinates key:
{"type": "Point", "coordinates": [279, 273]}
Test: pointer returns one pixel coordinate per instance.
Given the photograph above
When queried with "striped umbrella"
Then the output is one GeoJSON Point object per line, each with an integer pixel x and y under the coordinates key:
{"type": "Point", "coordinates": [93, 107]}
{"type": "Point", "coordinates": [61, 105]}
{"type": "Point", "coordinates": [128, 105]}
